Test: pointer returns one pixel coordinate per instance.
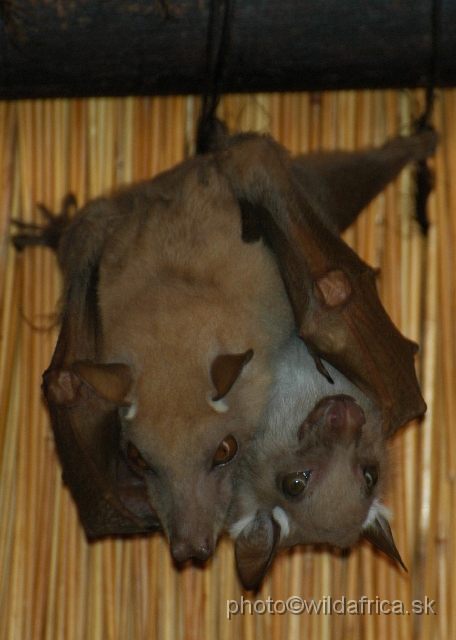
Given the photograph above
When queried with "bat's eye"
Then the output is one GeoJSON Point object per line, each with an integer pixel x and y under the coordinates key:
{"type": "Point", "coordinates": [226, 451]}
{"type": "Point", "coordinates": [294, 483]}
{"type": "Point", "coordinates": [371, 477]}
{"type": "Point", "coordinates": [136, 458]}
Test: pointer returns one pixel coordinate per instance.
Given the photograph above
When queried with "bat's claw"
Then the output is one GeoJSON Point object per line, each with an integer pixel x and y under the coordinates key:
{"type": "Point", "coordinates": [424, 143]}
{"type": "Point", "coordinates": [48, 234]}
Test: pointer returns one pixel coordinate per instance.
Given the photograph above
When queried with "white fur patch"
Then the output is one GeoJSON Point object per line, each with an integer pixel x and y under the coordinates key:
{"type": "Point", "coordinates": [376, 509]}
{"type": "Point", "coordinates": [281, 518]}
{"type": "Point", "coordinates": [131, 413]}
{"type": "Point", "coordinates": [241, 524]}
{"type": "Point", "coordinates": [219, 405]}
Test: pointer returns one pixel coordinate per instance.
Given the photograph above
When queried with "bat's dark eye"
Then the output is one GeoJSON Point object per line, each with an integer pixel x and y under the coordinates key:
{"type": "Point", "coordinates": [226, 451]}
{"type": "Point", "coordinates": [136, 458]}
{"type": "Point", "coordinates": [294, 483]}
{"type": "Point", "coordinates": [371, 477]}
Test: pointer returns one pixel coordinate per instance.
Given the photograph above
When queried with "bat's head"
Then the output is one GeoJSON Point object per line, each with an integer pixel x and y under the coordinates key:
{"type": "Point", "coordinates": [179, 448]}
{"type": "Point", "coordinates": [311, 477]}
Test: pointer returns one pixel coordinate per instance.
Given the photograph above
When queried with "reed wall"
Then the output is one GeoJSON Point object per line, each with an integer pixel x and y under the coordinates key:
{"type": "Point", "coordinates": [56, 586]}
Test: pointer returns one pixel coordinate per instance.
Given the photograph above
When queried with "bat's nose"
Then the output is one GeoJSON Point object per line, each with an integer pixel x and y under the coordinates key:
{"type": "Point", "coordinates": [344, 418]}
{"type": "Point", "coordinates": [183, 550]}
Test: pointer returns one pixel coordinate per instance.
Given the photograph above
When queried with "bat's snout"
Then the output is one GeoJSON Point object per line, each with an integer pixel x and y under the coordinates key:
{"type": "Point", "coordinates": [344, 418]}
{"type": "Point", "coordinates": [183, 550]}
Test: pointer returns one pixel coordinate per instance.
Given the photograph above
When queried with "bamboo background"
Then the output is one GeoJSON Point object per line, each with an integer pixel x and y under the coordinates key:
{"type": "Point", "coordinates": [53, 584]}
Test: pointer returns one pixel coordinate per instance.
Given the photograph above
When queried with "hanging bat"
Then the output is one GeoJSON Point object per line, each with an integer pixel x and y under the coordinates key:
{"type": "Point", "coordinates": [177, 304]}
{"type": "Point", "coordinates": [170, 325]}
{"type": "Point", "coordinates": [315, 471]}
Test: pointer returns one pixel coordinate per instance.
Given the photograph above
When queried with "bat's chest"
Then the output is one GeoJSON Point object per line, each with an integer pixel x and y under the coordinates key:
{"type": "Point", "coordinates": [191, 284]}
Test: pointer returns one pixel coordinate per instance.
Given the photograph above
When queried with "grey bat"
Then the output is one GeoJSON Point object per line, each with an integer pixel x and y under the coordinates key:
{"type": "Point", "coordinates": [315, 471]}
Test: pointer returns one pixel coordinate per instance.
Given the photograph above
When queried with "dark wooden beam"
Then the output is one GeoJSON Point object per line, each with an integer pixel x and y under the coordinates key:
{"type": "Point", "coordinates": [127, 47]}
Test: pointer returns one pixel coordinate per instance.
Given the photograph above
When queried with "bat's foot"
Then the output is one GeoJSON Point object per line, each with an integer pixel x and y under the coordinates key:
{"type": "Point", "coordinates": [211, 136]}
{"type": "Point", "coordinates": [427, 142]}
{"type": "Point", "coordinates": [48, 234]}
{"type": "Point", "coordinates": [423, 144]}
{"type": "Point", "coordinates": [401, 150]}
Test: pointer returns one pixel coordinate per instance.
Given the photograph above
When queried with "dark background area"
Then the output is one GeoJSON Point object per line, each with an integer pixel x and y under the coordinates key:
{"type": "Point", "coordinates": [122, 47]}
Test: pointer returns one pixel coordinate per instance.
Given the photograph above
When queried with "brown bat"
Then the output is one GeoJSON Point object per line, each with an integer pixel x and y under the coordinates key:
{"type": "Point", "coordinates": [315, 471]}
{"type": "Point", "coordinates": [176, 309]}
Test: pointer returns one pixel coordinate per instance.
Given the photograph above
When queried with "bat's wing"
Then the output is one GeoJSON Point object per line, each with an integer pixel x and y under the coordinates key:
{"type": "Point", "coordinates": [332, 291]}
{"type": "Point", "coordinates": [111, 498]}
{"type": "Point", "coordinates": [87, 428]}
{"type": "Point", "coordinates": [87, 440]}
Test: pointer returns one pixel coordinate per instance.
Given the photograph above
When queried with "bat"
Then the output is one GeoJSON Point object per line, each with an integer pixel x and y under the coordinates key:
{"type": "Point", "coordinates": [315, 471]}
{"type": "Point", "coordinates": [170, 323]}
{"type": "Point", "coordinates": [180, 294]}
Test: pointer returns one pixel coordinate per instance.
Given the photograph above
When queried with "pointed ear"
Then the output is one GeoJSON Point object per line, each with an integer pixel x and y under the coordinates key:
{"type": "Point", "coordinates": [379, 533]}
{"type": "Point", "coordinates": [255, 547]}
{"type": "Point", "coordinates": [110, 381]}
{"type": "Point", "coordinates": [226, 368]}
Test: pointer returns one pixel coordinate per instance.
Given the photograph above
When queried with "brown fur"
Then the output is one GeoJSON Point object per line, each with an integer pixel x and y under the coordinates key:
{"type": "Point", "coordinates": [190, 291]}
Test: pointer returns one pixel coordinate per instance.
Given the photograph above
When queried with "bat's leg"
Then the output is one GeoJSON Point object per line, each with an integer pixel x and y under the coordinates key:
{"type": "Point", "coordinates": [341, 183]}
{"type": "Point", "coordinates": [48, 234]}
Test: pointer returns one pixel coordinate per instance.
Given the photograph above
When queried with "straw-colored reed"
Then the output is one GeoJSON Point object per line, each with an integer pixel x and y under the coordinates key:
{"type": "Point", "coordinates": [56, 586]}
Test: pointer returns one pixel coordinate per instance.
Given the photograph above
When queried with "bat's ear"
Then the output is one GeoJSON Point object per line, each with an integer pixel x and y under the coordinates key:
{"type": "Point", "coordinates": [112, 381]}
{"type": "Point", "coordinates": [255, 548]}
{"type": "Point", "coordinates": [378, 531]}
{"type": "Point", "coordinates": [226, 368]}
